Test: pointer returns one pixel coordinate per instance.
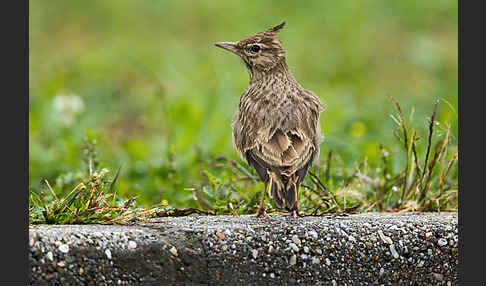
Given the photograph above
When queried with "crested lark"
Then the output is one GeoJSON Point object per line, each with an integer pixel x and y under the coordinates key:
{"type": "Point", "coordinates": [276, 128]}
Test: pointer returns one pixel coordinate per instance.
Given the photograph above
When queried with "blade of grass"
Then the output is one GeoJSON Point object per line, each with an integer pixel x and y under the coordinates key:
{"type": "Point", "coordinates": [318, 182]}
{"type": "Point", "coordinates": [50, 189]}
{"type": "Point", "coordinates": [438, 152]}
{"type": "Point", "coordinates": [112, 185]}
{"type": "Point", "coordinates": [431, 131]}
{"type": "Point", "coordinates": [328, 165]}
{"type": "Point", "coordinates": [444, 175]}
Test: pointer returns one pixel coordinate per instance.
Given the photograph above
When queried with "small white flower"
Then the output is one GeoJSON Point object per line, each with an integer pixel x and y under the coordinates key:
{"type": "Point", "coordinates": [67, 106]}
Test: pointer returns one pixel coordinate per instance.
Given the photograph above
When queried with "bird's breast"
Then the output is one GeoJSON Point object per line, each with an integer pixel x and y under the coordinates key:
{"type": "Point", "coordinates": [273, 107]}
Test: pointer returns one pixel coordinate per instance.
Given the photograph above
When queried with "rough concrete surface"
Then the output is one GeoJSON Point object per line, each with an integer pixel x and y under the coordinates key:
{"type": "Point", "coordinates": [360, 249]}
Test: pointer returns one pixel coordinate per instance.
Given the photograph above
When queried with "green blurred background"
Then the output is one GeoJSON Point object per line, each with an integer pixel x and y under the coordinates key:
{"type": "Point", "coordinates": [145, 80]}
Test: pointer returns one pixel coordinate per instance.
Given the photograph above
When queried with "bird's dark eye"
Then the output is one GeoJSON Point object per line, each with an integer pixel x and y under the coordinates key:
{"type": "Point", "coordinates": [254, 49]}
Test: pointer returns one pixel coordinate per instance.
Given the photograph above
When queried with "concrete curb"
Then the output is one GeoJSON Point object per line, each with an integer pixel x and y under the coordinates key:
{"type": "Point", "coordinates": [361, 249]}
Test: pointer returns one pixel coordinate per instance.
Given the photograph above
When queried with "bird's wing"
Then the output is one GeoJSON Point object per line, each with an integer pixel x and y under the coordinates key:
{"type": "Point", "coordinates": [285, 138]}
{"type": "Point", "coordinates": [289, 151]}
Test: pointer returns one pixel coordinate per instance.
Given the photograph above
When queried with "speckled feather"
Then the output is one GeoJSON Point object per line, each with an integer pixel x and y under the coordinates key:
{"type": "Point", "coordinates": [276, 128]}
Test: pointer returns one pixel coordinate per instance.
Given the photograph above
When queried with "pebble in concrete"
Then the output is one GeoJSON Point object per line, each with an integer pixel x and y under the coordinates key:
{"type": "Point", "coordinates": [218, 250]}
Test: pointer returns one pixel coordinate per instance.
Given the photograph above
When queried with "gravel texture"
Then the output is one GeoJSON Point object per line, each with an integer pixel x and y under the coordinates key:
{"type": "Point", "coordinates": [360, 249]}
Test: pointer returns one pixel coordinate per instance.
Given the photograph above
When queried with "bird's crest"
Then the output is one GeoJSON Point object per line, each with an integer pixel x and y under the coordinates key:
{"type": "Point", "coordinates": [276, 28]}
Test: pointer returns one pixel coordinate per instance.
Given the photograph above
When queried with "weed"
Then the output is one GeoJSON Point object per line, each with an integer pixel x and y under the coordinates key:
{"type": "Point", "coordinates": [415, 186]}
{"type": "Point", "coordinates": [413, 178]}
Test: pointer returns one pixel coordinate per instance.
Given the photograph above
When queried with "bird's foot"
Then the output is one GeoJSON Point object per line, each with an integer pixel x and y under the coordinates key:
{"type": "Point", "coordinates": [294, 214]}
{"type": "Point", "coordinates": [261, 213]}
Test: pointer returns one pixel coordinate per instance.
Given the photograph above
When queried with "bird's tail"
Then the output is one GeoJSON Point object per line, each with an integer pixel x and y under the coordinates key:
{"type": "Point", "coordinates": [283, 190]}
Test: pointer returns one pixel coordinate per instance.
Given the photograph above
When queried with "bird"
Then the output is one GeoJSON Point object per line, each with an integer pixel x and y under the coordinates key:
{"type": "Point", "coordinates": [276, 127]}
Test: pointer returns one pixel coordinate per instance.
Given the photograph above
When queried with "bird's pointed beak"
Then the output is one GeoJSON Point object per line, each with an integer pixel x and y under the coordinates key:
{"type": "Point", "coordinates": [229, 46]}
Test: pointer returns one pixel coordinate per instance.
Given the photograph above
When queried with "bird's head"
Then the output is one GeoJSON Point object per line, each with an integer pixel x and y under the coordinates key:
{"type": "Point", "coordinates": [261, 52]}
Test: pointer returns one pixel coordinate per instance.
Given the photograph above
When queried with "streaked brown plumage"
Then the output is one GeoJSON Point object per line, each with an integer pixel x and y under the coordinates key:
{"type": "Point", "coordinates": [276, 128]}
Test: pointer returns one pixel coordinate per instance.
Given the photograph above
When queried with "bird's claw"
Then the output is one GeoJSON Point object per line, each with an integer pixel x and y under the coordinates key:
{"type": "Point", "coordinates": [294, 214]}
{"type": "Point", "coordinates": [262, 213]}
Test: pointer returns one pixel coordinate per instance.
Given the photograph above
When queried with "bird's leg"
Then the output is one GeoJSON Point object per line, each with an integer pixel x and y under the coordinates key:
{"type": "Point", "coordinates": [261, 209]}
{"type": "Point", "coordinates": [296, 212]}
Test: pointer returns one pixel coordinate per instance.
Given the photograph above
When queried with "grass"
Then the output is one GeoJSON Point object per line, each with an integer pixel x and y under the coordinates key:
{"type": "Point", "coordinates": [139, 84]}
{"type": "Point", "coordinates": [427, 181]}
